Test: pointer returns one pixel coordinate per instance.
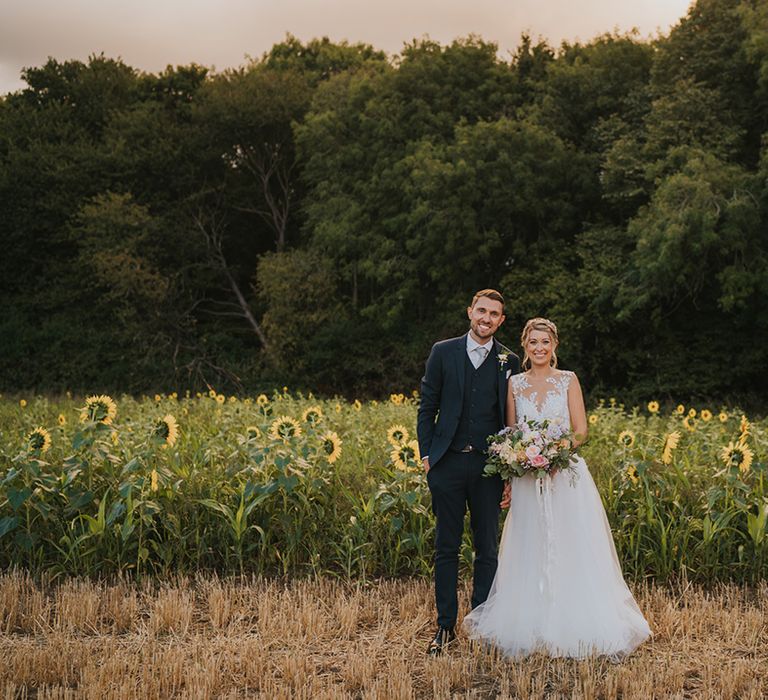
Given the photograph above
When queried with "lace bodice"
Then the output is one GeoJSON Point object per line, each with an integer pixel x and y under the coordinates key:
{"type": "Point", "coordinates": [553, 405]}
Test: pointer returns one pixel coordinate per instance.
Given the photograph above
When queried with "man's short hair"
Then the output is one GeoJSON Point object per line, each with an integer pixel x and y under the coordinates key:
{"type": "Point", "coordinates": [490, 294]}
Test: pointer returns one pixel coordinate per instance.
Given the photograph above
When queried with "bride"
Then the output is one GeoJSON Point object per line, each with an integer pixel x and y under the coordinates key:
{"type": "Point", "coordinates": [558, 587]}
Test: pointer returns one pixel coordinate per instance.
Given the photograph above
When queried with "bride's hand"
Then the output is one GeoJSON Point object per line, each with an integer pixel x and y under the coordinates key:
{"type": "Point", "coordinates": [506, 497]}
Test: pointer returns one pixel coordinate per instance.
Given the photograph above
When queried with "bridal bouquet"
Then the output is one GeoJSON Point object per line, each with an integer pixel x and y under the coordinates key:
{"type": "Point", "coordinates": [532, 447]}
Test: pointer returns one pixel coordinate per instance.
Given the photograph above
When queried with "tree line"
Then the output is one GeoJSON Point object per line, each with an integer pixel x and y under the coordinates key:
{"type": "Point", "coordinates": [321, 215]}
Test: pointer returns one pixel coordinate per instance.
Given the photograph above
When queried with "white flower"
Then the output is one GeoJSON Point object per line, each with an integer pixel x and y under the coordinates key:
{"type": "Point", "coordinates": [554, 431]}
{"type": "Point", "coordinates": [507, 453]}
{"type": "Point", "coordinates": [532, 451]}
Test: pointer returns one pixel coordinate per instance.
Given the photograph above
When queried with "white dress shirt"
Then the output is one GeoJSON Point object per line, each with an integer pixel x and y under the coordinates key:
{"type": "Point", "coordinates": [476, 356]}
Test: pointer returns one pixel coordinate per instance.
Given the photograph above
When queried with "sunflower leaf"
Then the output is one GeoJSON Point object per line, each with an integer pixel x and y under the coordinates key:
{"type": "Point", "coordinates": [16, 497]}
{"type": "Point", "coordinates": [7, 524]}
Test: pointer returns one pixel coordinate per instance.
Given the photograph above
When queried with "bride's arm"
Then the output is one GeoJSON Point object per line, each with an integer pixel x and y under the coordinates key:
{"type": "Point", "coordinates": [577, 411]}
{"type": "Point", "coordinates": [510, 413]}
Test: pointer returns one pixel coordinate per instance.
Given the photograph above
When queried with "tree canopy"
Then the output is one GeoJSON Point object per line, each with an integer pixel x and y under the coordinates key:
{"type": "Point", "coordinates": [323, 214]}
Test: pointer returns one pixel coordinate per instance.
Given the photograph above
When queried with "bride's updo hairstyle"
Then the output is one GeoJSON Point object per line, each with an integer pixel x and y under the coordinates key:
{"type": "Point", "coordinates": [539, 324]}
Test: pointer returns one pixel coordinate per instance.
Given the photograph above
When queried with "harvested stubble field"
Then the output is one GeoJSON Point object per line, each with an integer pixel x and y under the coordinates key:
{"type": "Point", "coordinates": [213, 638]}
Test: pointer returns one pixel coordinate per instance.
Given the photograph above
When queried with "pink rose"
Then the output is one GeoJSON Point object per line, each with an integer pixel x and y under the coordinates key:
{"type": "Point", "coordinates": [532, 451]}
{"type": "Point", "coordinates": [539, 461]}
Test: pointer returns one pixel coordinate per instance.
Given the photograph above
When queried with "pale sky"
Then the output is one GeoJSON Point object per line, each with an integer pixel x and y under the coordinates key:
{"type": "Point", "coordinates": [151, 34]}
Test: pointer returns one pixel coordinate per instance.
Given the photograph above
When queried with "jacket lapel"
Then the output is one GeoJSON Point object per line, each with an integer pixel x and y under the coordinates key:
{"type": "Point", "coordinates": [459, 354]}
{"type": "Point", "coordinates": [502, 369]}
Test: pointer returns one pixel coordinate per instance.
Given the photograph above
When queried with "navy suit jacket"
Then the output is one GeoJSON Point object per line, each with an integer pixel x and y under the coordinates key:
{"type": "Point", "coordinates": [442, 393]}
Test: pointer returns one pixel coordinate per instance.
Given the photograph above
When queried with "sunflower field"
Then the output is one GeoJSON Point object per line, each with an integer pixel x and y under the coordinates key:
{"type": "Point", "coordinates": [288, 484]}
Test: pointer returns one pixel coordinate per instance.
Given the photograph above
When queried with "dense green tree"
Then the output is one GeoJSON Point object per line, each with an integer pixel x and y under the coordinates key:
{"type": "Point", "coordinates": [322, 214]}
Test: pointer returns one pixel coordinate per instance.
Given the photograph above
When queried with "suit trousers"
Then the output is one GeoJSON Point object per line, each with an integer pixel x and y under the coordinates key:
{"type": "Point", "coordinates": [455, 482]}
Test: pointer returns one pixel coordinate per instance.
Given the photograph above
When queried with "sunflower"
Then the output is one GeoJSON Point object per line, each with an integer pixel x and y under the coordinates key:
{"type": "Point", "coordinates": [39, 440]}
{"type": "Point", "coordinates": [680, 409]}
{"type": "Point", "coordinates": [331, 446]}
{"type": "Point", "coordinates": [220, 399]}
{"type": "Point", "coordinates": [692, 413]}
{"type": "Point", "coordinates": [397, 435]}
{"type": "Point", "coordinates": [233, 399]}
{"type": "Point", "coordinates": [284, 427]}
{"type": "Point", "coordinates": [632, 474]}
{"type": "Point", "coordinates": [689, 423]}
{"type": "Point", "coordinates": [653, 407]}
{"type": "Point", "coordinates": [723, 417]}
{"type": "Point", "coordinates": [669, 444]}
{"type": "Point", "coordinates": [338, 408]}
{"type": "Point", "coordinates": [407, 452]}
{"type": "Point", "coordinates": [397, 399]}
{"type": "Point", "coordinates": [626, 438]}
{"type": "Point", "coordinates": [593, 419]}
{"type": "Point", "coordinates": [262, 400]}
{"type": "Point", "coordinates": [706, 415]}
{"type": "Point", "coordinates": [212, 393]}
{"type": "Point", "coordinates": [158, 397]}
{"type": "Point", "coordinates": [357, 404]}
{"type": "Point", "coordinates": [22, 403]}
{"type": "Point", "coordinates": [101, 409]}
{"type": "Point", "coordinates": [738, 455]}
{"type": "Point", "coordinates": [744, 428]}
{"type": "Point", "coordinates": [312, 415]}
{"type": "Point", "coordinates": [253, 432]}
{"type": "Point", "coordinates": [167, 429]}
{"type": "Point", "coordinates": [62, 419]}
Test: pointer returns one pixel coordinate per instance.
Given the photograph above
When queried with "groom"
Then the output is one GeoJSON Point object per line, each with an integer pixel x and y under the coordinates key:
{"type": "Point", "coordinates": [463, 401]}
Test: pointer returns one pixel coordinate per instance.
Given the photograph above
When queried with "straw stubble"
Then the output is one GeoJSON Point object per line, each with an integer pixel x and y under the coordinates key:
{"type": "Point", "coordinates": [234, 638]}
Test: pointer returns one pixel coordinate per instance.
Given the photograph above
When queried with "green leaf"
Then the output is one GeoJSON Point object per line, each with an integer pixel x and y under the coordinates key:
{"type": "Point", "coordinates": [126, 530]}
{"type": "Point", "coordinates": [130, 466]}
{"type": "Point", "coordinates": [82, 439]}
{"type": "Point", "coordinates": [219, 507]}
{"type": "Point", "coordinates": [115, 511]}
{"type": "Point", "coordinates": [10, 476]}
{"type": "Point", "coordinates": [17, 497]}
{"type": "Point", "coordinates": [79, 499]}
{"type": "Point", "coordinates": [7, 524]}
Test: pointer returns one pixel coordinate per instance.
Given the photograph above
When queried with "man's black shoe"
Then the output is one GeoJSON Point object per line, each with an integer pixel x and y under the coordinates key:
{"type": "Point", "coordinates": [444, 636]}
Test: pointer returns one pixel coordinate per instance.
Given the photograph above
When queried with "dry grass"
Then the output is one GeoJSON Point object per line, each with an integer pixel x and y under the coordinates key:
{"type": "Point", "coordinates": [211, 638]}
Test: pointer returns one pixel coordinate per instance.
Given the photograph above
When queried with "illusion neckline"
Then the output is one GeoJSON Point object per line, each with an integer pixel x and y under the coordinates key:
{"type": "Point", "coordinates": [532, 398]}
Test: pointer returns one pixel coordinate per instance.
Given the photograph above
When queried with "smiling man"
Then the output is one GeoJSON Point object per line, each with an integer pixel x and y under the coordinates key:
{"type": "Point", "coordinates": [463, 397]}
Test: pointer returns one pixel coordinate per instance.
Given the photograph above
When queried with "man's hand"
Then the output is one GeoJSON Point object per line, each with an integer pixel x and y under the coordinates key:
{"type": "Point", "coordinates": [506, 497]}
{"type": "Point", "coordinates": [425, 462]}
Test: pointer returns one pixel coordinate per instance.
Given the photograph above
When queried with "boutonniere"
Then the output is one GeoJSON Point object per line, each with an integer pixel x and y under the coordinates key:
{"type": "Point", "coordinates": [503, 357]}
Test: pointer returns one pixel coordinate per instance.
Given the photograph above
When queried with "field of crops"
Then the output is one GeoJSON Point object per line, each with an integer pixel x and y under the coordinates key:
{"type": "Point", "coordinates": [286, 484]}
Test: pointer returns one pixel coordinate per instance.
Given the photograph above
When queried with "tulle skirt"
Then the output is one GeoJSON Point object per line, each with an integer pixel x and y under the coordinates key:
{"type": "Point", "coordinates": [558, 587]}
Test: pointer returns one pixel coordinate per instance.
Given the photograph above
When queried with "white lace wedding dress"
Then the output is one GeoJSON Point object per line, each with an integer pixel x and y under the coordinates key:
{"type": "Point", "coordinates": [558, 586]}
